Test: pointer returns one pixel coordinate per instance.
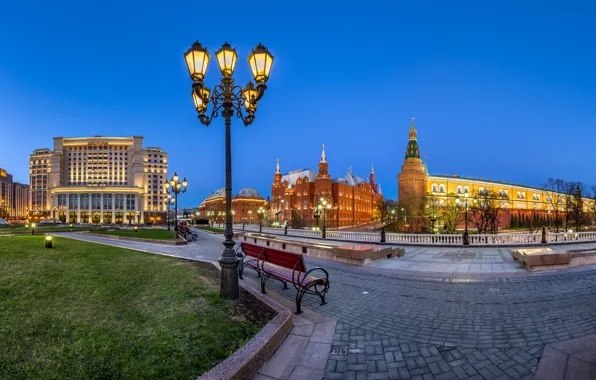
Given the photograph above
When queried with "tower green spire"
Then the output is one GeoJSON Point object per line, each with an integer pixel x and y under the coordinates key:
{"type": "Point", "coordinates": [412, 150]}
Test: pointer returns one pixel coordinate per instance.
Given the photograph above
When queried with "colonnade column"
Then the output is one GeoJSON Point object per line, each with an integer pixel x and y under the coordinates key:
{"type": "Point", "coordinates": [67, 208]}
{"type": "Point", "coordinates": [113, 208]}
{"type": "Point", "coordinates": [79, 208]}
{"type": "Point", "coordinates": [101, 208]}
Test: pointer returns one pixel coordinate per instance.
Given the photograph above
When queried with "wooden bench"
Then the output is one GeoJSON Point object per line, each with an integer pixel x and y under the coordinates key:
{"type": "Point", "coordinates": [285, 267]}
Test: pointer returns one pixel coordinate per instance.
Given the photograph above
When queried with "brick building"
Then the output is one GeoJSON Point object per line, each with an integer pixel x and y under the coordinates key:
{"type": "Point", "coordinates": [245, 206]}
{"type": "Point", "coordinates": [349, 200]}
{"type": "Point", "coordinates": [14, 198]}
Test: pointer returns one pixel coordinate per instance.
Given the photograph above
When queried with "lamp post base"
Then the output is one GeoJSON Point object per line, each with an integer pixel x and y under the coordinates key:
{"type": "Point", "coordinates": [466, 238]}
{"type": "Point", "coordinates": [229, 289]}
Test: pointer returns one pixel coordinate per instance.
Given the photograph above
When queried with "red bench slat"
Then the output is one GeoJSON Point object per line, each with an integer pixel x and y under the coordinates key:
{"type": "Point", "coordinates": [251, 250]}
{"type": "Point", "coordinates": [285, 259]}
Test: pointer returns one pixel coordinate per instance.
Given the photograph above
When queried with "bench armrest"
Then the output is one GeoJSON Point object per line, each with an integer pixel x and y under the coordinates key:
{"type": "Point", "coordinates": [302, 276]}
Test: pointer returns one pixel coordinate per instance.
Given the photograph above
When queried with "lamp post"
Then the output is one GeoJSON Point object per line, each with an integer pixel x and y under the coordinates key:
{"type": "Point", "coordinates": [466, 237]}
{"type": "Point", "coordinates": [229, 100]}
{"type": "Point", "coordinates": [261, 211]}
{"type": "Point", "coordinates": [405, 220]}
{"type": "Point", "coordinates": [323, 207]}
{"type": "Point", "coordinates": [176, 187]}
{"type": "Point", "coordinates": [54, 209]}
{"type": "Point", "coordinates": [249, 216]}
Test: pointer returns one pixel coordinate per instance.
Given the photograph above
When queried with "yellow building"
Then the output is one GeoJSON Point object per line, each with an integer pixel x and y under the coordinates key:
{"type": "Point", "coordinates": [108, 180]}
{"type": "Point", "coordinates": [415, 183]}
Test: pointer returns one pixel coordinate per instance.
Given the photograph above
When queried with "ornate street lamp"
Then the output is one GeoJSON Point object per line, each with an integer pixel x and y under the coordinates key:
{"type": "Point", "coordinates": [176, 187]}
{"type": "Point", "coordinates": [229, 100]}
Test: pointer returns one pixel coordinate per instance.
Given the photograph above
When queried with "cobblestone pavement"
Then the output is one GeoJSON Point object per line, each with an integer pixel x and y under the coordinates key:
{"type": "Point", "coordinates": [392, 326]}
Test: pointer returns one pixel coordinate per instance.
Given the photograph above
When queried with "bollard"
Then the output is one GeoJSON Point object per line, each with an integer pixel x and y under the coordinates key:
{"type": "Point", "coordinates": [48, 241]}
{"type": "Point", "coordinates": [260, 227]}
{"type": "Point", "coordinates": [543, 235]}
{"type": "Point", "coordinates": [286, 229]}
{"type": "Point", "coordinates": [382, 234]}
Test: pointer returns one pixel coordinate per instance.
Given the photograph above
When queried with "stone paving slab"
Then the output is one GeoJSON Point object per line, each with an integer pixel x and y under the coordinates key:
{"type": "Point", "coordinates": [573, 359]}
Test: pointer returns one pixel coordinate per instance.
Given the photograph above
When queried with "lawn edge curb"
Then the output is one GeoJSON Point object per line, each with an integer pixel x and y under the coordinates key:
{"type": "Point", "coordinates": [178, 241]}
{"type": "Point", "coordinates": [245, 362]}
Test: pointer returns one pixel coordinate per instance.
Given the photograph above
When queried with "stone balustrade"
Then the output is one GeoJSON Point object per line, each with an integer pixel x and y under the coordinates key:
{"type": "Point", "coordinates": [431, 239]}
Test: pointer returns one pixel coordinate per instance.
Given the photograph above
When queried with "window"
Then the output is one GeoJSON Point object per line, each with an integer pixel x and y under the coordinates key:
{"type": "Point", "coordinates": [96, 201]}
{"type": "Point", "coordinates": [130, 201]}
{"type": "Point", "coordinates": [466, 189]}
{"type": "Point", "coordinates": [460, 190]}
{"type": "Point", "coordinates": [441, 188]}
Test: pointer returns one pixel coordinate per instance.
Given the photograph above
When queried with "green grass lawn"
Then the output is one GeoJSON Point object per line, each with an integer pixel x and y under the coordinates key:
{"type": "Point", "coordinates": [43, 230]}
{"type": "Point", "coordinates": [88, 311]}
{"type": "Point", "coordinates": [213, 229]}
{"type": "Point", "coordinates": [145, 233]}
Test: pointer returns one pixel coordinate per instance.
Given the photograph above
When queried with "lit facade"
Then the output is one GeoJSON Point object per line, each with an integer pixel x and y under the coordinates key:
{"type": "Point", "coordinates": [106, 180]}
{"type": "Point", "coordinates": [352, 199]}
{"type": "Point", "coordinates": [415, 183]}
{"type": "Point", "coordinates": [245, 206]}
{"type": "Point", "coordinates": [14, 198]}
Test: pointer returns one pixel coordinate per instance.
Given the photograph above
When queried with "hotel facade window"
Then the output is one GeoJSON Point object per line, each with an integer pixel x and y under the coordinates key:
{"type": "Point", "coordinates": [94, 179]}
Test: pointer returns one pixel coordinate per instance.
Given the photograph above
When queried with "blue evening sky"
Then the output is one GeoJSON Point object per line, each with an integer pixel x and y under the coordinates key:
{"type": "Point", "coordinates": [503, 90]}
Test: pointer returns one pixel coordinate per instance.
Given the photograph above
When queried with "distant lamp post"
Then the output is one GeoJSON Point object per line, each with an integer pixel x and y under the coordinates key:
{"type": "Point", "coordinates": [323, 207]}
{"type": "Point", "coordinates": [33, 228]}
{"type": "Point", "coordinates": [228, 99]}
{"type": "Point", "coordinates": [261, 211]}
{"type": "Point", "coordinates": [464, 203]}
{"type": "Point", "coordinates": [54, 209]}
{"type": "Point", "coordinates": [176, 187]}
{"type": "Point", "coordinates": [249, 216]}
{"type": "Point", "coordinates": [405, 219]}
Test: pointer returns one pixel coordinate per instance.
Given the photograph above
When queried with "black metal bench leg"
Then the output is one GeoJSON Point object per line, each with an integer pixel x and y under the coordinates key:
{"type": "Point", "coordinates": [263, 282]}
{"type": "Point", "coordinates": [299, 296]}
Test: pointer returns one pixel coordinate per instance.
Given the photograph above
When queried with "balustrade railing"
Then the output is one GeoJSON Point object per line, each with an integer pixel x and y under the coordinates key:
{"type": "Point", "coordinates": [430, 239]}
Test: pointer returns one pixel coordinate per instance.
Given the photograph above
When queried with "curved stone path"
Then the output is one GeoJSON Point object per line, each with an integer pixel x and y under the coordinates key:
{"type": "Point", "coordinates": [394, 325]}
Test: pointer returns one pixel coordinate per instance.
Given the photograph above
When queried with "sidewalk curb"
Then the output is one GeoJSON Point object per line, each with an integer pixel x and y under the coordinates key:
{"type": "Point", "coordinates": [245, 362]}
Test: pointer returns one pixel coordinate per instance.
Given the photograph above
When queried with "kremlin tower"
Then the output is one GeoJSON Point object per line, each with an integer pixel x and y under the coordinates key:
{"type": "Point", "coordinates": [413, 177]}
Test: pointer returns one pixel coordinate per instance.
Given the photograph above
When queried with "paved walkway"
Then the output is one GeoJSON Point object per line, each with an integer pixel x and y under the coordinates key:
{"type": "Point", "coordinates": [571, 359]}
{"type": "Point", "coordinates": [393, 326]}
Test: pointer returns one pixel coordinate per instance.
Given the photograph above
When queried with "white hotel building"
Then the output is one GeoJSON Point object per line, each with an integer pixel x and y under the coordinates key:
{"type": "Point", "coordinates": [108, 180]}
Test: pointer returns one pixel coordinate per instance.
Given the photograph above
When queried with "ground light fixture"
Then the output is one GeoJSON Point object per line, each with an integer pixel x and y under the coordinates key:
{"type": "Point", "coordinates": [136, 228]}
{"type": "Point", "coordinates": [48, 241]}
{"type": "Point", "coordinates": [32, 228]}
{"type": "Point", "coordinates": [227, 100]}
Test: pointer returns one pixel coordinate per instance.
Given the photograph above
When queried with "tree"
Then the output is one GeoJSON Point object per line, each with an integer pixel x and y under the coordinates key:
{"type": "Point", "coordinates": [450, 213]}
{"type": "Point", "coordinates": [487, 208]}
{"type": "Point", "coordinates": [556, 198]}
{"type": "Point", "coordinates": [297, 221]}
{"type": "Point", "coordinates": [575, 205]}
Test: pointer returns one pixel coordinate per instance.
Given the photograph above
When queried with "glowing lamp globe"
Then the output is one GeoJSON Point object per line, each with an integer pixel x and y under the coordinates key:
{"type": "Point", "coordinates": [250, 95]}
{"type": "Point", "coordinates": [202, 99]}
{"type": "Point", "coordinates": [226, 59]}
{"type": "Point", "coordinates": [197, 59]}
{"type": "Point", "coordinates": [260, 61]}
